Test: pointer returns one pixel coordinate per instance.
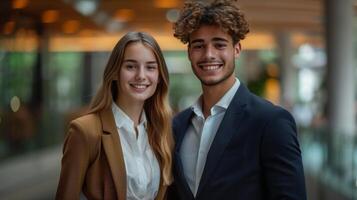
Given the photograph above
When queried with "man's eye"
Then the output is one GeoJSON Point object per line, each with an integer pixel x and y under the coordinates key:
{"type": "Point", "coordinates": [197, 46]}
{"type": "Point", "coordinates": [220, 46]}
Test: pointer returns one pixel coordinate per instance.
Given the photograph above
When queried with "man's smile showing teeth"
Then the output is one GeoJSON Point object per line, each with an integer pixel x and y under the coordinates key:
{"type": "Point", "coordinates": [210, 67]}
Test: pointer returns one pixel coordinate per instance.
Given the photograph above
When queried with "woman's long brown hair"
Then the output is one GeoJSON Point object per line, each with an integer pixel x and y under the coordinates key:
{"type": "Point", "coordinates": [157, 107]}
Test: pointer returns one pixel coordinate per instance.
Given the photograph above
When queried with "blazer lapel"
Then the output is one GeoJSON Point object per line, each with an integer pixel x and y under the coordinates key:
{"type": "Point", "coordinates": [113, 151]}
{"type": "Point", "coordinates": [229, 126]}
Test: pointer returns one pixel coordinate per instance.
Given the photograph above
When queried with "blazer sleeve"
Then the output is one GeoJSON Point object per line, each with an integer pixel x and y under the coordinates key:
{"type": "Point", "coordinates": [281, 159]}
{"type": "Point", "coordinates": [75, 161]}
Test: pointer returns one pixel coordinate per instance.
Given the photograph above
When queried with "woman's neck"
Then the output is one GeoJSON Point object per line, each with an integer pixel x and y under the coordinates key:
{"type": "Point", "coordinates": [132, 109]}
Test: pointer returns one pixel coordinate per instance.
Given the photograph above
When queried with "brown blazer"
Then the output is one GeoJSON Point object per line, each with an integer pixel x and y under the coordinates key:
{"type": "Point", "coordinates": [93, 160]}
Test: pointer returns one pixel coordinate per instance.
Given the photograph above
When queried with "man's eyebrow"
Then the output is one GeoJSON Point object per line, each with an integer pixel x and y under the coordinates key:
{"type": "Point", "coordinates": [197, 41]}
{"type": "Point", "coordinates": [215, 39]}
{"type": "Point", "coordinates": [219, 39]}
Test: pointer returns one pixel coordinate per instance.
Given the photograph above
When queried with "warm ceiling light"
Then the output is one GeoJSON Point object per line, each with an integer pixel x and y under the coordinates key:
{"type": "Point", "coordinates": [9, 27]}
{"type": "Point", "coordinates": [50, 16]}
{"type": "Point", "coordinates": [70, 26]}
{"type": "Point", "coordinates": [124, 15]}
{"type": "Point", "coordinates": [19, 4]}
{"type": "Point", "coordinates": [166, 3]}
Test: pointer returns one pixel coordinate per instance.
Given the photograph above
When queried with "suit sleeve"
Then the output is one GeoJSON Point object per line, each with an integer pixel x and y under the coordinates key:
{"type": "Point", "coordinates": [75, 161]}
{"type": "Point", "coordinates": [281, 159]}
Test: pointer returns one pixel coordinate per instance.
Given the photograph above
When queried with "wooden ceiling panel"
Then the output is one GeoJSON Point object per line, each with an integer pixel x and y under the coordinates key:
{"type": "Point", "coordinates": [267, 15]}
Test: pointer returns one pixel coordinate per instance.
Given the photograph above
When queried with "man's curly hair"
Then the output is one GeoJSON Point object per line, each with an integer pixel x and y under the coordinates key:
{"type": "Point", "coordinates": [223, 13]}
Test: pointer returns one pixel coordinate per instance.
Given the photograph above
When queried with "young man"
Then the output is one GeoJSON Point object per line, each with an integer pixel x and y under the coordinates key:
{"type": "Point", "coordinates": [230, 144]}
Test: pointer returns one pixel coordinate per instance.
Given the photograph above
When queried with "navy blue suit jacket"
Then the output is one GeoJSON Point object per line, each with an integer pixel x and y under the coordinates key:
{"type": "Point", "coordinates": [255, 154]}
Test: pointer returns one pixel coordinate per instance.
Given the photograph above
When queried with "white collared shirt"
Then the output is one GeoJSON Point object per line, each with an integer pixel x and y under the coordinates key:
{"type": "Point", "coordinates": [142, 167]}
{"type": "Point", "coordinates": [199, 137]}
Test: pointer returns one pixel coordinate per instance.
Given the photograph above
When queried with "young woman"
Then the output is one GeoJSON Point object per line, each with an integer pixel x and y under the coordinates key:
{"type": "Point", "coordinates": [122, 148]}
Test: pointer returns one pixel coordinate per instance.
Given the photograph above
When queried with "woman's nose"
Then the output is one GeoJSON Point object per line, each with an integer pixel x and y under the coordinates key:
{"type": "Point", "coordinates": [140, 75]}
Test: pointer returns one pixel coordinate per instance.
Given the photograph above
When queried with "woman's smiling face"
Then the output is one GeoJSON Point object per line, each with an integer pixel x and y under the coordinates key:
{"type": "Point", "coordinates": [139, 73]}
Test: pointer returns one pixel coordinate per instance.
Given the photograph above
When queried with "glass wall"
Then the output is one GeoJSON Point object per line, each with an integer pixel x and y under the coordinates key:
{"type": "Point", "coordinates": [36, 99]}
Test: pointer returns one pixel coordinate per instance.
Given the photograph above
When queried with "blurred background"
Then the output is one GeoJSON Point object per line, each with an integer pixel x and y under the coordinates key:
{"type": "Point", "coordinates": [300, 54]}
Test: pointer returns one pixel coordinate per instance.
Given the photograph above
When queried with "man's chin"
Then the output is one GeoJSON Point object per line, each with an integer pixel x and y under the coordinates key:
{"type": "Point", "coordinates": [214, 82]}
{"type": "Point", "coordinates": [210, 82]}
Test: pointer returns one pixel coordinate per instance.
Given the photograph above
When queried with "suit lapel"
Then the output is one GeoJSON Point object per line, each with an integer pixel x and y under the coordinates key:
{"type": "Point", "coordinates": [229, 126]}
{"type": "Point", "coordinates": [180, 126]}
{"type": "Point", "coordinates": [113, 151]}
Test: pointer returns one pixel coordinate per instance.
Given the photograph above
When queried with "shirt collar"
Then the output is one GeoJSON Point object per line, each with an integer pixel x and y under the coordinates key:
{"type": "Point", "coordinates": [222, 104]}
{"type": "Point", "coordinates": [122, 119]}
{"type": "Point", "coordinates": [227, 98]}
{"type": "Point", "coordinates": [197, 107]}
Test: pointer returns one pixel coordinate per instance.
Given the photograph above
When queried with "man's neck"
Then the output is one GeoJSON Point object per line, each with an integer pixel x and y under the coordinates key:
{"type": "Point", "coordinates": [213, 93]}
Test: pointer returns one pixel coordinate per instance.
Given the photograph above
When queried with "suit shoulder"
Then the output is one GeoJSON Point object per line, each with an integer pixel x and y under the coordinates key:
{"type": "Point", "coordinates": [265, 109]}
{"type": "Point", "coordinates": [279, 126]}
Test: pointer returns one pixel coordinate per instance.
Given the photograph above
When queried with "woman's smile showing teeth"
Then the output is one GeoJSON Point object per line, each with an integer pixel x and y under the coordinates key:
{"type": "Point", "coordinates": [139, 86]}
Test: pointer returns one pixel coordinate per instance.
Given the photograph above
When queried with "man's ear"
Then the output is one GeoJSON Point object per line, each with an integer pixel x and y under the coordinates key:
{"type": "Point", "coordinates": [188, 51]}
{"type": "Point", "coordinates": [237, 49]}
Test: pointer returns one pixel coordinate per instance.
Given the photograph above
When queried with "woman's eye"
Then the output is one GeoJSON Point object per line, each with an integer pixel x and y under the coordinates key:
{"type": "Point", "coordinates": [151, 67]}
{"type": "Point", "coordinates": [130, 66]}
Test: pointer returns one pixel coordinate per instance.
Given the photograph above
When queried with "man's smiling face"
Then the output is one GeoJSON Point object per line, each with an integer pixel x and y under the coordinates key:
{"type": "Point", "coordinates": [212, 54]}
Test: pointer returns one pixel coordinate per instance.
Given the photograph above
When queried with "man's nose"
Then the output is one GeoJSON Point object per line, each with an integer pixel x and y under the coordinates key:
{"type": "Point", "coordinates": [210, 52]}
